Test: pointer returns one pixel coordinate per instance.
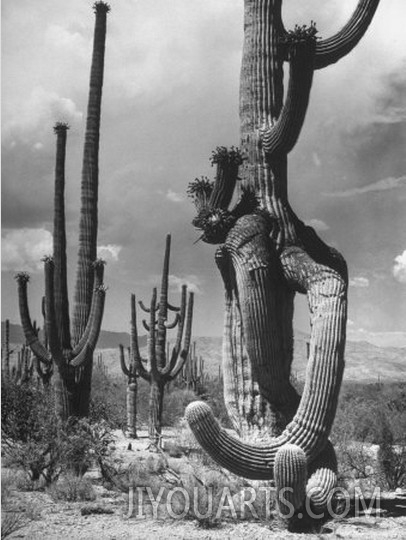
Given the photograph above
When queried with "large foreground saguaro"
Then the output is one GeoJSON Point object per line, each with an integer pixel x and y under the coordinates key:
{"type": "Point", "coordinates": [267, 255]}
{"type": "Point", "coordinates": [71, 349]}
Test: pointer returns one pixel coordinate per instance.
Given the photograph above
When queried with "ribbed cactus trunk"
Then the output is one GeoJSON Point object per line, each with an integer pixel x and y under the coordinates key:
{"type": "Point", "coordinates": [266, 256]}
{"type": "Point", "coordinates": [156, 398]}
{"type": "Point", "coordinates": [87, 253]}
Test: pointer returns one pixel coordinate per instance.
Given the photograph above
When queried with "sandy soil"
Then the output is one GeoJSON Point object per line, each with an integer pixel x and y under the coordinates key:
{"type": "Point", "coordinates": [55, 520]}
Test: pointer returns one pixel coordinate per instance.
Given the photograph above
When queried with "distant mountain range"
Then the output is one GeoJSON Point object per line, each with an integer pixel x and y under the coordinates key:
{"type": "Point", "coordinates": [364, 362]}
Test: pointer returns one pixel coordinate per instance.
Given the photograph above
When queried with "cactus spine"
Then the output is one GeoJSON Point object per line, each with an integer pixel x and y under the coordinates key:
{"type": "Point", "coordinates": [73, 358]}
{"type": "Point", "coordinates": [267, 255]}
{"type": "Point", "coordinates": [162, 367]}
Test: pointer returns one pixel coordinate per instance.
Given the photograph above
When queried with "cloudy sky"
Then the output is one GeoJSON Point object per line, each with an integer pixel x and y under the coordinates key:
{"type": "Point", "coordinates": [170, 97]}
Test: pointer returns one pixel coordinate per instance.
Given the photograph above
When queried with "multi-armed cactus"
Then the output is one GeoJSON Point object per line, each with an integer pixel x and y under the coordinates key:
{"type": "Point", "coordinates": [267, 255]}
{"type": "Point", "coordinates": [73, 358]}
{"type": "Point", "coordinates": [162, 367]}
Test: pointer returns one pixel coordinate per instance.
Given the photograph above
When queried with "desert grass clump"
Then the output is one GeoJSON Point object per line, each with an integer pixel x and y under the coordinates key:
{"type": "Point", "coordinates": [72, 488]}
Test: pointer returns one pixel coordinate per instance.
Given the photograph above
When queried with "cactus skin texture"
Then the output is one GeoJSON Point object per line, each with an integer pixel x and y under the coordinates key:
{"type": "Point", "coordinates": [266, 256]}
{"type": "Point", "coordinates": [162, 367]}
{"type": "Point", "coordinates": [72, 355]}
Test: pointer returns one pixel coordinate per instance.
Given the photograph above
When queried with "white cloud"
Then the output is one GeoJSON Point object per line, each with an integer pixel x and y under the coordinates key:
{"type": "Point", "coordinates": [109, 253]}
{"type": "Point", "coordinates": [359, 282]}
{"type": "Point", "coordinates": [23, 249]}
{"type": "Point", "coordinates": [39, 114]}
{"type": "Point", "coordinates": [191, 281]}
{"type": "Point", "coordinates": [399, 268]}
{"type": "Point", "coordinates": [381, 185]}
{"type": "Point", "coordinates": [318, 225]}
{"type": "Point", "coordinates": [174, 196]}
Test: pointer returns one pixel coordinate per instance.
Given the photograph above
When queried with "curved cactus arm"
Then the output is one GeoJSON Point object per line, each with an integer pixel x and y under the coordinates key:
{"type": "Point", "coordinates": [322, 479]}
{"type": "Point", "coordinates": [172, 308]}
{"type": "Point", "coordinates": [98, 266]}
{"type": "Point", "coordinates": [186, 344]}
{"type": "Point", "coordinates": [178, 343]}
{"type": "Point", "coordinates": [124, 368]}
{"type": "Point", "coordinates": [134, 349]}
{"type": "Point", "coordinates": [282, 136]}
{"type": "Point", "coordinates": [30, 335]}
{"type": "Point", "coordinates": [330, 50]}
{"type": "Point", "coordinates": [95, 321]}
{"type": "Point", "coordinates": [146, 309]}
{"type": "Point", "coordinates": [170, 326]}
{"type": "Point", "coordinates": [146, 325]}
{"type": "Point", "coordinates": [228, 162]}
{"type": "Point", "coordinates": [326, 289]}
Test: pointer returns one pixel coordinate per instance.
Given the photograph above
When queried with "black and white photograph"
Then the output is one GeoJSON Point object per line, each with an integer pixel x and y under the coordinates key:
{"type": "Point", "coordinates": [203, 255]}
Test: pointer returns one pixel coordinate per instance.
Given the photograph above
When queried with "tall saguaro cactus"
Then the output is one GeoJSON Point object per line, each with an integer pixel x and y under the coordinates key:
{"type": "Point", "coordinates": [162, 368]}
{"type": "Point", "coordinates": [267, 255]}
{"type": "Point", "coordinates": [72, 352]}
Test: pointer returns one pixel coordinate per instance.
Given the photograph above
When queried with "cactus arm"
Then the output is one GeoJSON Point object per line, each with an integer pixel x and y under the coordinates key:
{"type": "Point", "coordinates": [330, 50]}
{"type": "Point", "coordinates": [172, 308]}
{"type": "Point", "coordinates": [144, 308]}
{"type": "Point", "coordinates": [124, 368]}
{"type": "Point", "coordinates": [95, 322]}
{"type": "Point", "coordinates": [98, 266]}
{"type": "Point", "coordinates": [186, 344]}
{"type": "Point", "coordinates": [178, 343]}
{"type": "Point", "coordinates": [135, 351]}
{"type": "Point", "coordinates": [326, 288]}
{"type": "Point", "coordinates": [282, 136]}
{"type": "Point", "coordinates": [61, 298]}
{"type": "Point", "coordinates": [30, 335]}
{"type": "Point", "coordinates": [146, 325]}
{"type": "Point", "coordinates": [170, 326]}
{"type": "Point", "coordinates": [227, 162]}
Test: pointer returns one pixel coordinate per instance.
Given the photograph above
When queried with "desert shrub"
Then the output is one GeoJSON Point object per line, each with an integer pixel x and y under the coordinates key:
{"type": "Point", "coordinates": [30, 430]}
{"type": "Point", "coordinates": [108, 400]}
{"type": "Point", "coordinates": [372, 415]}
{"type": "Point", "coordinates": [175, 403]}
{"type": "Point", "coordinates": [72, 488]}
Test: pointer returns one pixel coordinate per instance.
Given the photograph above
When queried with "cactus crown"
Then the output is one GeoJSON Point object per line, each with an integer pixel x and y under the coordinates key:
{"type": "Point", "coordinates": [215, 224]}
{"type": "Point", "coordinates": [200, 190]}
{"type": "Point", "coordinates": [224, 156]}
{"type": "Point", "coordinates": [100, 7]}
{"type": "Point", "coordinates": [98, 263]}
{"type": "Point", "coordinates": [301, 34]}
{"type": "Point", "coordinates": [61, 126]}
{"type": "Point", "coordinates": [22, 277]}
{"type": "Point", "coordinates": [47, 259]}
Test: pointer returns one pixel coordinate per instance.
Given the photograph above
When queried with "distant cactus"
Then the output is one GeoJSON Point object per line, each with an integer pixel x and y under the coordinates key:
{"type": "Point", "coordinates": [5, 351]}
{"type": "Point", "coordinates": [131, 372]}
{"type": "Point", "coordinates": [162, 368]}
{"type": "Point", "coordinates": [74, 358]}
{"type": "Point", "coordinates": [267, 255]}
{"type": "Point", "coordinates": [193, 374]}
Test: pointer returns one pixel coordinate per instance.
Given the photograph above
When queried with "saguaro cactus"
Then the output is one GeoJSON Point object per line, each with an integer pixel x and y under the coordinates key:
{"type": "Point", "coordinates": [193, 372]}
{"type": "Point", "coordinates": [74, 357]}
{"type": "Point", "coordinates": [162, 368]}
{"type": "Point", "coordinates": [131, 373]}
{"type": "Point", "coordinates": [5, 351]}
{"type": "Point", "coordinates": [267, 255]}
